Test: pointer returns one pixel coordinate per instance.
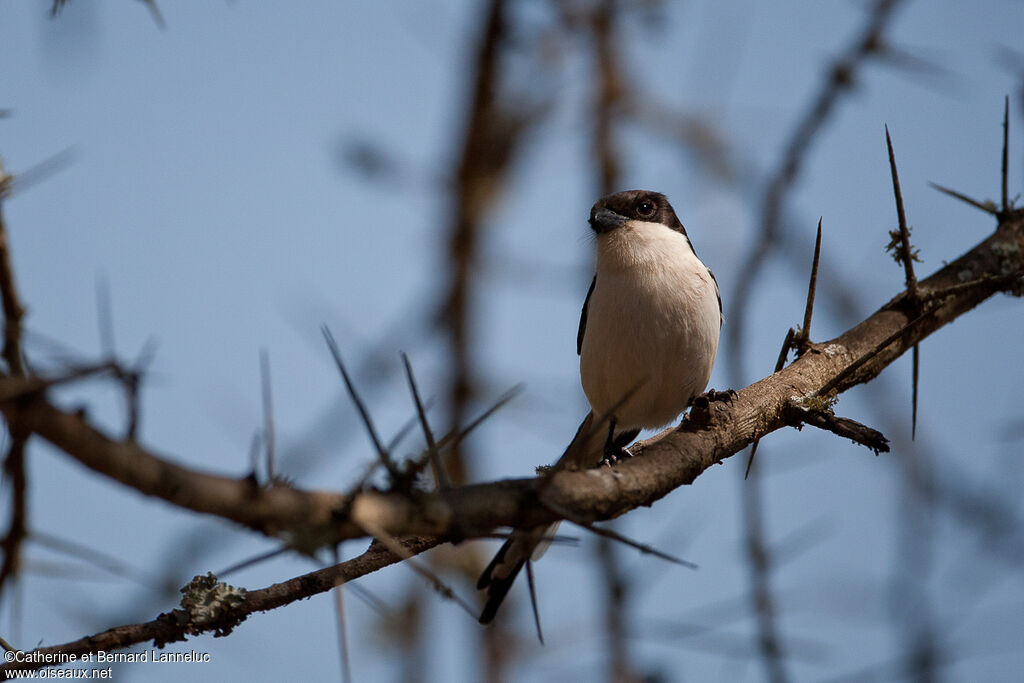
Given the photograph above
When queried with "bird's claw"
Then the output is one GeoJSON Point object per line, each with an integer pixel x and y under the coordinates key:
{"type": "Point", "coordinates": [613, 456]}
{"type": "Point", "coordinates": [726, 396]}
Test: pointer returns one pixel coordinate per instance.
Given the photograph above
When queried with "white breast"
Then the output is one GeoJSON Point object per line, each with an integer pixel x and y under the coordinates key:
{"type": "Point", "coordinates": [652, 326]}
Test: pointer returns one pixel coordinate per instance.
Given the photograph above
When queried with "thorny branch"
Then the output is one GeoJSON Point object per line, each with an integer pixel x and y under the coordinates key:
{"type": "Point", "coordinates": [841, 78]}
{"type": "Point", "coordinates": [799, 340]}
{"type": "Point", "coordinates": [495, 124]}
{"type": "Point", "coordinates": [13, 309]}
{"type": "Point", "coordinates": [322, 518]}
{"type": "Point", "coordinates": [905, 254]}
{"type": "Point", "coordinates": [310, 519]}
{"type": "Point", "coordinates": [176, 625]}
{"type": "Point", "coordinates": [14, 460]}
{"type": "Point", "coordinates": [494, 128]}
{"type": "Point", "coordinates": [984, 282]}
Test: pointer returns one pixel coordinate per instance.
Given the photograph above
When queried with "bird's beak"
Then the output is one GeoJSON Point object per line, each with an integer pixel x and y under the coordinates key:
{"type": "Point", "coordinates": [603, 221]}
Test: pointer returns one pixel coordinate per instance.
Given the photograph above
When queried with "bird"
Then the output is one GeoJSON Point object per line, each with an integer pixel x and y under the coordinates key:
{"type": "Point", "coordinates": [647, 341]}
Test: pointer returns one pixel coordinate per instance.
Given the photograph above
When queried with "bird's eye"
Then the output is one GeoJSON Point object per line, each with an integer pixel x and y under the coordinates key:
{"type": "Point", "coordinates": [645, 208]}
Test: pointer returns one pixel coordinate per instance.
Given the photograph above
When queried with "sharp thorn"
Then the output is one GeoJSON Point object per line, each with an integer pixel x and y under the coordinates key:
{"type": "Point", "coordinates": [385, 459]}
{"type": "Point", "coordinates": [908, 257]}
{"type": "Point", "coordinates": [440, 476]}
{"type": "Point", "coordinates": [533, 600]}
{"type": "Point", "coordinates": [750, 460]}
{"type": "Point", "coordinates": [987, 207]}
{"type": "Point", "coordinates": [1006, 153]}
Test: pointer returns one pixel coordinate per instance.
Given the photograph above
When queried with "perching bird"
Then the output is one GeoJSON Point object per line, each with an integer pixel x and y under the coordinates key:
{"type": "Point", "coordinates": [647, 342]}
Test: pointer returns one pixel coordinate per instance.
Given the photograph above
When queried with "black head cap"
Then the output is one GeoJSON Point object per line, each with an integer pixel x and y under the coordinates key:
{"type": "Point", "coordinates": [640, 205]}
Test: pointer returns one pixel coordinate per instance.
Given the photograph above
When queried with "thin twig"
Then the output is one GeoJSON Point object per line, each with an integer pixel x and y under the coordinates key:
{"type": "Point", "coordinates": [839, 79]}
{"type": "Point", "coordinates": [997, 281]}
{"type": "Point", "coordinates": [392, 544]}
{"type": "Point", "coordinates": [13, 309]}
{"type": "Point", "coordinates": [39, 172]}
{"type": "Point", "coordinates": [14, 462]}
{"type": "Point", "coordinates": [90, 555]}
{"type": "Point", "coordinates": [251, 561]}
{"type": "Point", "coordinates": [450, 440]}
{"type": "Point", "coordinates": [493, 132]}
{"type": "Point", "coordinates": [407, 427]}
{"type": "Point", "coordinates": [795, 543]}
{"type": "Point", "coordinates": [797, 414]}
{"type": "Point", "coordinates": [16, 387]}
{"type": "Point", "coordinates": [382, 454]}
{"type": "Point", "coordinates": [17, 526]}
{"type": "Point", "coordinates": [855, 365]}
{"type": "Point", "coordinates": [616, 612]}
{"type": "Point", "coordinates": [609, 93]}
{"type": "Point", "coordinates": [440, 477]}
{"type": "Point", "coordinates": [402, 432]}
{"type": "Point", "coordinates": [167, 628]}
{"type": "Point", "coordinates": [339, 611]}
{"type": "Point", "coordinates": [370, 599]}
{"type": "Point", "coordinates": [614, 535]}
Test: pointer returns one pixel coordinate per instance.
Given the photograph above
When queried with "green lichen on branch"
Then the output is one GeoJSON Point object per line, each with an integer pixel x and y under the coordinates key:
{"type": "Point", "coordinates": [895, 246]}
{"type": "Point", "coordinates": [1009, 257]}
{"type": "Point", "coordinates": [206, 600]}
{"type": "Point", "coordinates": [819, 403]}
{"type": "Point", "coordinates": [207, 605]}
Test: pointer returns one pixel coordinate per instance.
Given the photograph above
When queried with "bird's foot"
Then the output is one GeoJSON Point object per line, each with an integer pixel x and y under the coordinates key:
{"type": "Point", "coordinates": [614, 455]}
{"type": "Point", "coordinates": [712, 395]}
{"type": "Point", "coordinates": [700, 413]}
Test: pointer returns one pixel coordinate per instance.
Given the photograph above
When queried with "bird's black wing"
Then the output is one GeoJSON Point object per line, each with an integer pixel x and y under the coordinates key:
{"type": "Point", "coordinates": [721, 313]}
{"type": "Point", "coordinates": [583, 315]}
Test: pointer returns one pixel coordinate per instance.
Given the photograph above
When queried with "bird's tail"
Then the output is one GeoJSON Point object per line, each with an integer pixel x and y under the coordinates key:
{"type": "Point", "coordinates": [502, 571]}
{"type": "Point", "coordinates": [585, 450]}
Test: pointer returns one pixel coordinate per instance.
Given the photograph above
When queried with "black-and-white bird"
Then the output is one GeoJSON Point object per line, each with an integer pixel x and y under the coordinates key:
{"type": "Point", "coordinates": [647, 341]}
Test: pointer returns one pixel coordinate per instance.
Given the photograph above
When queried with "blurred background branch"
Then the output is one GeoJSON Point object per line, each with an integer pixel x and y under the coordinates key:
{"type": "Point", "coordinates": [464, 144]}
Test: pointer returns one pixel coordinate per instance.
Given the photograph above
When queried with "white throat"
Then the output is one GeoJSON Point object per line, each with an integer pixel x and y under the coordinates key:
{"type": "Point", "coordinates": [652, 326]}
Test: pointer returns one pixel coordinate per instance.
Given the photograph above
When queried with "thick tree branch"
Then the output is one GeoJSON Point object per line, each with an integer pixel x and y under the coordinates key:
{"type": "Point", "coordinates": [310, 519]}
